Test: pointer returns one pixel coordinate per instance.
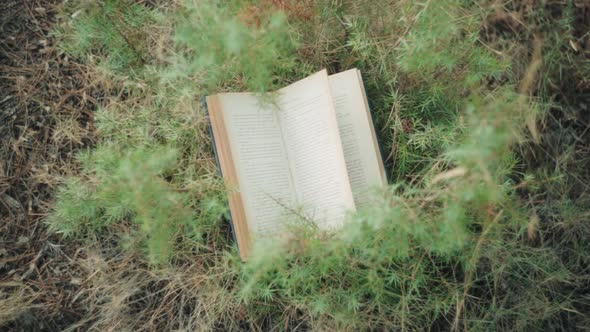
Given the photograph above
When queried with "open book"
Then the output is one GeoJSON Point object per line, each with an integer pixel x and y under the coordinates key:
{"type": "Point", "coordinates": [308, 153]}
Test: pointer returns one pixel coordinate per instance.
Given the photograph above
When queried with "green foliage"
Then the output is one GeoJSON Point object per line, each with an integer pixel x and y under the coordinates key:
{"type": "Point", "coordinates": [444, 42]}
{"type": "Point", "coordinates": [74, 209]}
{"type": "Point", "coordinates": [226, 42]}
{"type": "Point", "coordinates": [443, 53]}
{"type": "Point", "coordinates": [483, 229]}
{"type": "Point", "coordinates": [129, 186]}
{"type": "Point", "coordinates": [113, 33]}
{"type": "Point", "coordinates": [418, 68]}
{"type": "Point", "coordinates": [386, 261]}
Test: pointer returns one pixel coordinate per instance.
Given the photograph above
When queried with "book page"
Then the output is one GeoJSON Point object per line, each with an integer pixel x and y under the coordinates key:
{"type": "Point", "coordinates": [308, 120]}
{"type": "Point", "coordinates": [361, 151]}
{"type": "Point", "coordinates": [260, 160]}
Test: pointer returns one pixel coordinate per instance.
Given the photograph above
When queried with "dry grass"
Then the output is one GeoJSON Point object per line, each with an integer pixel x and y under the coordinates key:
{"type": "Point", "coordinates": [16, 300]}
{"type": "Point", "coordinates": [46, 103]}
{"type": "Point", "coordinates": [524, 264]}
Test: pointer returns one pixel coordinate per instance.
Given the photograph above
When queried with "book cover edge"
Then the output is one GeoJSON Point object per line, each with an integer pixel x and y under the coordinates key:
{"type": "Point", "coordinates": [218, 165]}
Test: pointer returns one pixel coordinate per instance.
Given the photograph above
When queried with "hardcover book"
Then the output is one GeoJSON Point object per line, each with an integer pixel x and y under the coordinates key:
{"type": "Point", "coordinates": [307, 153]}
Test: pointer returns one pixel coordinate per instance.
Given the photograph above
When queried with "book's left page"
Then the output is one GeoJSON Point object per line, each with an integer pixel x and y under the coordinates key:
{"type": "Point", "coordinates": [254, 164]}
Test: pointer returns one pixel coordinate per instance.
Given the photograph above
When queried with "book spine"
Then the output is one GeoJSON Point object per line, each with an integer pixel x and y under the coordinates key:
{"type": "Point", "coordinates": [216, 156]}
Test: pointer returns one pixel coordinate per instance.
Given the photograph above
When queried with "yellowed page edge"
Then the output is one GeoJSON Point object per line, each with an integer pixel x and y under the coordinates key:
{"type": "Point", "coordinates": [229, 174]}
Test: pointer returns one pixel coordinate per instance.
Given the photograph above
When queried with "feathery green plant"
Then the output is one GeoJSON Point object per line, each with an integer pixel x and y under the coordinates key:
{"type": "Point", "coordinates": [227, 44]}
{"type": "Point", "coordinates": [386, 261]}
{"type": "Point", "coordinates": [130, 186]}
{"type": "Point", "coordinates": [454, 243]}
{"type": "Point", "coordinates": [113, 34]}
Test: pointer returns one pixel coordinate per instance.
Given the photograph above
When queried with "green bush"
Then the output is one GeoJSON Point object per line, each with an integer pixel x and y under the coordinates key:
{"type": "Point", "coordinates": [130, 186]}
{"type": "Point", "coordinates": [112, 34]}
{"type": "Point", "coordinates": [482, 228]}
{"type": "Point", "coordinates": [228, 45]}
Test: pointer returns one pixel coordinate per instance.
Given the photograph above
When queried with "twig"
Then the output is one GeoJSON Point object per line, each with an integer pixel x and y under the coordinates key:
{"type": "Point", "coordinates": [471, 270]}
{"type": "Point", "coordinates": [33, 264]}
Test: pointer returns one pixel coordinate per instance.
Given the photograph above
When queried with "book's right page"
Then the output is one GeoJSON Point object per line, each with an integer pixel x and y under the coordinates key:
{"type": "Point", "coordinates": [310, 130]}
{"type": "Point", "coordinates": [359, 141]}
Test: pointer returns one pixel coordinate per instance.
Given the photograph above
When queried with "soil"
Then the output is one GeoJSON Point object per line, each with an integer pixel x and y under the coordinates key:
{"type": "Point", "coordinates": [46, 106]}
